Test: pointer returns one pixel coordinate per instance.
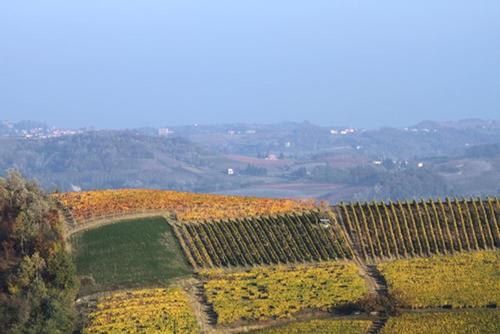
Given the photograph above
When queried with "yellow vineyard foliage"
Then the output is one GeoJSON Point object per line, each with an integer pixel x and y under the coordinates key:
{"type": "Point", "coordinates": [143, 311]}
{"type": "Point", "coordinates": [187, 206]}
{"type": "Point", "coordinates": [281, 291]}
{"type": "Point", "coordinates": [321, 327]}
{"type": "Point", "coordinates": [467, 322]}
{"type": "Point", "coordinates": [460, 280]}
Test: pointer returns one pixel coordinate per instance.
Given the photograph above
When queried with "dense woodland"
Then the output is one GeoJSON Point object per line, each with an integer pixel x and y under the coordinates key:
{"type": "Point", "coordinates": [38, 281]}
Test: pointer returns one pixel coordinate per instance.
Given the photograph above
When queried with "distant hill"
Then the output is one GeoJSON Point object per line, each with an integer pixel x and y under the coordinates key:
{"type": "Point", "coordinates": [280, 160]}
{"type": "Point", "coordinates": [109, 159]}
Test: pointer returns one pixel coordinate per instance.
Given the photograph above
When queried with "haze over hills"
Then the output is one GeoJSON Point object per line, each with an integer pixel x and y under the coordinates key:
{"type": "Point", "coordinates": [277, 160]}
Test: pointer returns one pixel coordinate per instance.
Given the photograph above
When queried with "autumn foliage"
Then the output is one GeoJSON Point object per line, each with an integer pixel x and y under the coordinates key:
{"type": "Point", "coordinates": [187, 206]}
{"type": "Point", "coordinates": [37, 277]}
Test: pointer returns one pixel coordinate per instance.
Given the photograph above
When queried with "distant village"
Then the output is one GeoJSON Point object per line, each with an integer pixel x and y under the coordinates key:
{"type": "Point", "coordinates": [36, 131]}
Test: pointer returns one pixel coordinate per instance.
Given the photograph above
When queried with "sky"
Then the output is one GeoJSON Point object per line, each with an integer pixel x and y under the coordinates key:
{"type": "Point", "coordinates": [123, 64]}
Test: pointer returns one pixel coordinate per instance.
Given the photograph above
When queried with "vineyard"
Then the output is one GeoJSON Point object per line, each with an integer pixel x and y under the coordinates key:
{"type": "Point", "coordinates": [458, 280]}
{"type": "Point", "coordinates": [400, 230]}
{"type": "Point", "coordinates": [187, 206]}
{"type": "Point", "coordinates": [467, 322]}
{"type": "Point", "coordinates": [143, 311]}
{"type": "Point", "coordinates": [321, 327]}
{"type": "Point", "coordinates": [287, 238]}
{"type": "Point", "coordinates": [264, 260]}
{"type": "Point", "coordinates": [282, 291]}
{"type": "Point", "coordinates": [371, 231]}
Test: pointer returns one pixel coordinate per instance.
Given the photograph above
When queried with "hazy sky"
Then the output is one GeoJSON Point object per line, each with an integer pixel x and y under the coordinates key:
{"type": "Point", "coordinates": [136, 63]}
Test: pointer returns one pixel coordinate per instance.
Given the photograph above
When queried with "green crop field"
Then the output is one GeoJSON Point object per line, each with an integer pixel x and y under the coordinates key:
{"type": "Point", "coordinates": [128, 254]}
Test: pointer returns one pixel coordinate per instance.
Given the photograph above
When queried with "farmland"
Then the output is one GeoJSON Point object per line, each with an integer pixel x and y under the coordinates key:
{"type": "Point", "coordinates": [397, 230]}
{"type": "Point", "coordinates": [143, 311]}
{"type": "Point", "coordinates": [286, 238]}
{"type": "Point", "coordinates": [459, 280]}
{"type": "Point", "coordinates": [285, 263]}
{"type": "Point", "coordinates": [320, 327]}
{"type": "Point", "coordinates": [282, 291]}
{"type": "Point", "coordinates": [129, 253]}
{"type": "Point", "coordinates": [186, 206]}
{"type": "Point", "coordinates": [466, 322]}
{"type": "Point", "coordinates": [371, 231]}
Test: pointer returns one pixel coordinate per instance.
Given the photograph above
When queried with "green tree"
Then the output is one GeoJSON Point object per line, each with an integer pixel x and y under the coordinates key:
{"type": "Point", "coordinates": [38, 281]}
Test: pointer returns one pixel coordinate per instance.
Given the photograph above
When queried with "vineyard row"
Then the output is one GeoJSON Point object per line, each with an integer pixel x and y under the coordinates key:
{"type": "Point", "coordinates": [288, 238]}
{"type": "Point", "coordinates": [398, 230]}
{"type": "Point", "coordinates": [371, 231]}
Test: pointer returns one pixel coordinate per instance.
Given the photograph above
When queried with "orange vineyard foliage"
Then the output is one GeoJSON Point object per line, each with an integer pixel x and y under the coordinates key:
{"type": "Point", "coordinates": [187, 206]}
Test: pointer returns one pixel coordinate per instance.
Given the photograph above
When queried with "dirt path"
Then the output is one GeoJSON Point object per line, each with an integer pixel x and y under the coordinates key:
{"type": "Point", "coordinates": [203, 312]}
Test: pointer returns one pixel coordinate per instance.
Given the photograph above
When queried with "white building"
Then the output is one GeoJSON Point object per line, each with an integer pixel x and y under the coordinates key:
{"type": "Point", "coordinates": [163, 132]}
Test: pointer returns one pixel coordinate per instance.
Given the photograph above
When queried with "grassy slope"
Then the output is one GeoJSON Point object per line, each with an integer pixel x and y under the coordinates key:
{"type": "Point", "coordinates": [128, 254]}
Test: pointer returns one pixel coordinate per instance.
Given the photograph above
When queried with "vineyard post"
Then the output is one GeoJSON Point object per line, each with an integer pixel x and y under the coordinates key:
{"type": "Point", "coordinates": [398, 227]}
{"type": "Point", "coordinates": [438, 225]}
{"type": "Point", "coordinates": [375, 229]}
{"type": "Point", "coordinates": [382, 226]}
{"type": "Point", "coordinates": [486, 221]}
{"type": "Point", "coordinates": [469, 220]}
{"type": "Point", "coordinates": [417, 234]}
{"type": "Point", "coordinates": [478, 222]}
{"type": "Point", "coordinates": [407, 228]}
{"type": "Point", "coordinates": [431, 228]}
{"type": "Point", "coordinates": [391, 230]}
{"type": "Point", "coordinates": [495, 221]}
{"type": "Point", "coordinates": [455, 223]}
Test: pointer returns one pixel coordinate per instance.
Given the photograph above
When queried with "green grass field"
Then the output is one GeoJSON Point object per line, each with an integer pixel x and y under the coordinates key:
{"type": "Point", "coordinates": [128, 254]}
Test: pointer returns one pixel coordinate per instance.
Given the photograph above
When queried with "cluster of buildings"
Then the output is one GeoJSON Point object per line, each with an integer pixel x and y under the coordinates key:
{"type": "Point", "coordinates": [53, 133]}
{"type": "Point", "coordinates": [346, 131]}
{"type": "Point", "coordinates": [8, 129]}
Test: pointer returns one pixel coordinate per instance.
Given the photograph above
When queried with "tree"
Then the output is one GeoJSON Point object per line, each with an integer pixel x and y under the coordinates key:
{"type": "Point", "coordinates": [38, 282]}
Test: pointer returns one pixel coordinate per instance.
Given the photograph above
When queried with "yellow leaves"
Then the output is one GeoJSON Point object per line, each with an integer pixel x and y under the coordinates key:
{"type": "Point", "coordinates": [187, 206]}
{"type": "Point", "coordinates": [477, 321]}
{"type": "Point", "coordinates": [321, 327]}
{"type": "Point", "coordinates": [460, 280]}
{"type": "Point", "coordinates": [143, 311]}
{"type": "Point", "coordinates": [281, 291]}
